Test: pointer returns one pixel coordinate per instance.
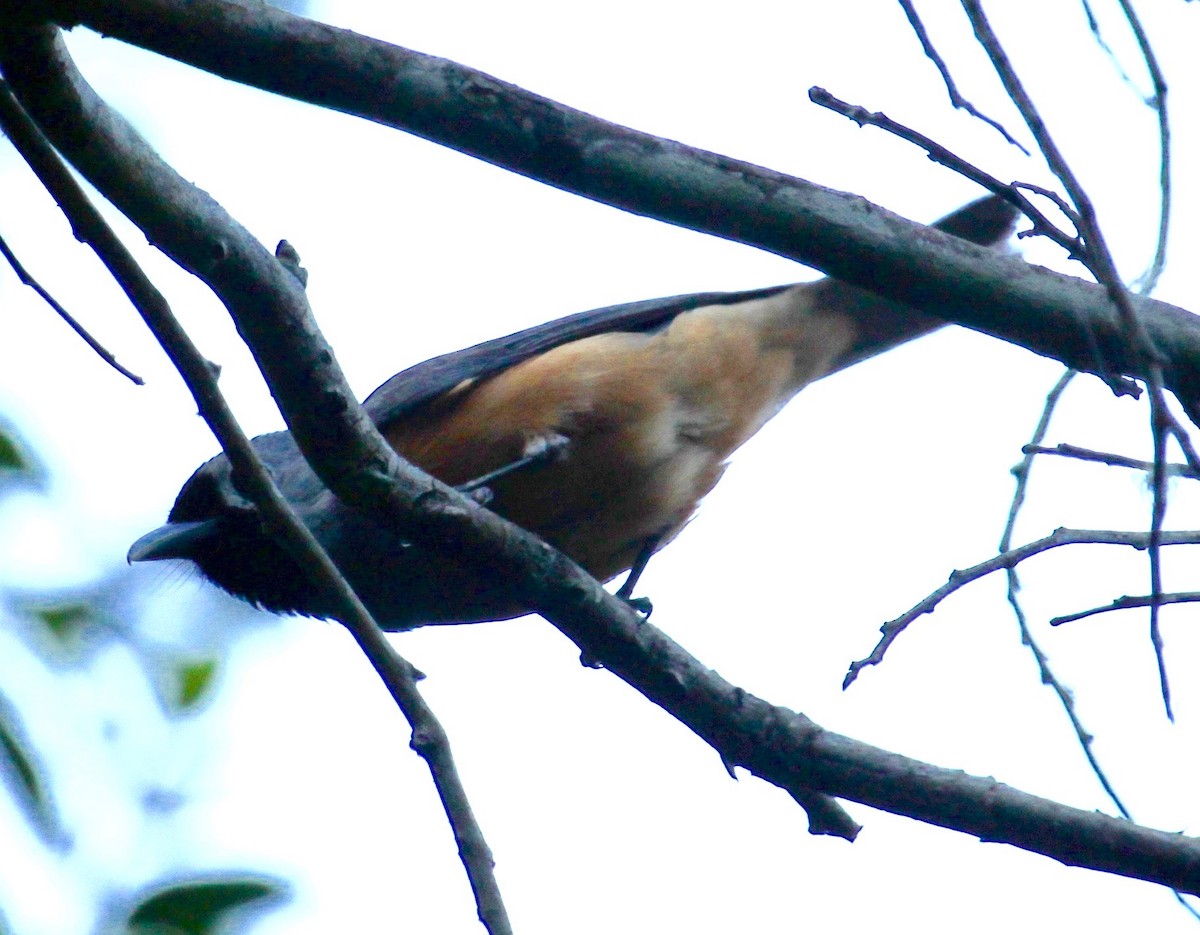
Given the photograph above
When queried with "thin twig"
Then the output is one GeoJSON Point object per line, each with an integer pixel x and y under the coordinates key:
{"type": "Point", "coordinates": [1157, 102]}
{"type": "Point", "coordinates": [6, 124]}
{"type": "Point", "coordinates": [1186, 905]}
{"type": "Point", "coordinates": [1010, 559]}
{"type": "Point", "coordinates": [956, 99]}
{"type": "Point", "coordinates": [1128, 601]}
{"type": "Point", "coordinates": [1021, 470]}
{"type": "Point", "coordinates": [943, 156]}
{"type": "Point", "coordinates": [1110, 458]}
{"type": "Point", "coordinates": [1149, 279]}
{"type": "Point", "coordinates": [428, 737]}
{"type": "Point", "coordinates": [1066, 697]}
{"type": "Point", "coordinates": [1160, 427]}
{"type": "Point", "coordinates": [1043, 226]}
{"type": "Point", "coordinates": [1094, 29]}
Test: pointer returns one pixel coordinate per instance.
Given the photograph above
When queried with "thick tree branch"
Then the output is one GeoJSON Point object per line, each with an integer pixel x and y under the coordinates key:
{"type": "Point", "coordinates": [429, 738]}
{"type": "Point", "coordinates": [842, 235]}
{"type": "Point", "coordinates": [272, 316]}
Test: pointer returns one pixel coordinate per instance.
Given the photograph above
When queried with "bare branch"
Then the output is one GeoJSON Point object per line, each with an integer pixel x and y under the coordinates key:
{"type": "Point", "coordinates": [1021, 470]}
{"type": "Point", "coordinates": [1109, 458]}
{"type": "Point", "coordinates": [17, 127]}
{"type": "Point", "coordinates": [335, 435]}
{"type": "Point", "coordinates": [1158, 103]}
{"type": "Point", "coordinates": [1128, 601]}
{"type": "Point", "coordinates": [1065, 696]}
{"type": "Point", "coordinates": [956, 99]}
{"type": "Point", "coordinates": [22, 274]}
{"type": "Point", "coordinates": [1098, 259]}
{"type": "Point", "coordinates": [1010, 192]}
{"type": "Point", "coordinates": [400, 677]}
{"type": "Point", "coordinates": [944, 157]}
{"type": "Point", "coordinates": [1010, 559]}
{"type": "Point", "coordinates": [1160, 425]}
{"type": "Point", "coordinates": [487, 118]}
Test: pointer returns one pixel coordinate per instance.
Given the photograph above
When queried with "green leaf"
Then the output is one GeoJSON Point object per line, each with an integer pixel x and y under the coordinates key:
{"type": "Point", "coordinates": [20, 766]}
{"type": "Point", "coordinates": [194, 680]}
{"type": "Point", "coordinates": [12, 454]}
{"type": "Point", "coordinates": [17, 461]}
{"type": "Point", "coordinates": [198, 907]}
{"type": "Point", "coordinates": [65, 622]}
{"type": "Point", "coordinates": [21, 763]}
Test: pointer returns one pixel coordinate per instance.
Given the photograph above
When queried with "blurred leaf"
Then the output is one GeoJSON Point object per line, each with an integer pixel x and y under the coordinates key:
{"type": "Point", "coordinates": [13, 456]}
{"type": "Point", "coordinates": [182, 685]}
{"type": "Point", "coordinates": [65, 622]}
{"type": "Point", "coordinates": [198, 907]}
{"type": "Point", "coordinates": [194, 679]}
{"type": "Point", "coordinates": [18, 464]}
{"type": "Point", "coordinates": [20, 765]}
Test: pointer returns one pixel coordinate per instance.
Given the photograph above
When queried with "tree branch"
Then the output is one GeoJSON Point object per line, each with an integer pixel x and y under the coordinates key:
{"type": "Point", "coordinates": [1011, 559]}
{"type": "Point", "coordinates": [272, 316]}
{"type": "Point", "coordinates": [1128, 601]}
{"type": "Point", "coordinates": [17, 129]}
{"type": "Point", "coordinates": [1097, 258]}
{"type": "Point", "coordinates": [956, 99]}
{"type": "Point", "coordinates": [467, 110]}
{"type": "Point", "coordinates": [400, 678]}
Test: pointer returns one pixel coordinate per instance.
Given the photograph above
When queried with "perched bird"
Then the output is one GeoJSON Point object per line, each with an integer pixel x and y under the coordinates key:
{"type": "Point", "coordinates": [605, 430]}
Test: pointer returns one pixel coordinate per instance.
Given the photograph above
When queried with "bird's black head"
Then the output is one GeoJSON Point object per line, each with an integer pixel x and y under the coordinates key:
{"type": "Point", "coordinates": [213, 525]}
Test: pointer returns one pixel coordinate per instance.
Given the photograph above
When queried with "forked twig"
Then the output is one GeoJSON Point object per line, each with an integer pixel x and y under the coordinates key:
{"type": "Point", "coordinates": [1010, 559]}
{"type": "Point", "coordinates": [1110, 458]}
{"type": "Point", "coordinates": [956, 99]}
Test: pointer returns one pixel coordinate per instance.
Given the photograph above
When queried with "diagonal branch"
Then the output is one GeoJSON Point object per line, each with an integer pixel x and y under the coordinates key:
{"type": "Point", "coordinates": [956, 99]}
{"type": "Point", "coordinates": [272, 315]}
{"type": "Point", "coordinates": [1011, 559]}
{"type": "Point", "coordinates": [16, 129]}
{"type": "Point", "coordinates": [480, 115]}
{"type": "Point", "coordinates": [1110, 458]}
{"type": "Point", "coordinates": [429, 738]}
{"type": "Point", "coordinates": [1128, 601]}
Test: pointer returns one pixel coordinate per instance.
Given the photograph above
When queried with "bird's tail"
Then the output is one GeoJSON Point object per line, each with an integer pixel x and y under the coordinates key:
{"type": "Point", "coordinates": [881, 323]}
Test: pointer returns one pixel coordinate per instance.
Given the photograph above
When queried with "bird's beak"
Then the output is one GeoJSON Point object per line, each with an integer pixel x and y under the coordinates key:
{"type": "Point", "coordinates": [174, 540]}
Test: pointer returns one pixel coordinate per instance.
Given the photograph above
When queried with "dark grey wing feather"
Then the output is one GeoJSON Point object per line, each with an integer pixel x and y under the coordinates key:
{"type": "Point", "coordinates": [427, 380]}
{"type": "Point", "coordinates": [986, 221]}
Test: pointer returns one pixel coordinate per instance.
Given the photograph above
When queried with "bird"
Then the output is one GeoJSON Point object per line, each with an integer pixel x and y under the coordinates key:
{"type": "Point", "coordinates": [599, 432]}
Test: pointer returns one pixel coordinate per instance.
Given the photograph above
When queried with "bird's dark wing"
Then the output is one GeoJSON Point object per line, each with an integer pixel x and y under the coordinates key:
{"type": "Point", "coordinates": [431, 378]}
{"type": "Point", "coordinates": [986, 221]}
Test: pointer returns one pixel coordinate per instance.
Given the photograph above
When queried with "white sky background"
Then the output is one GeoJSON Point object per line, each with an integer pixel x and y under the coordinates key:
{"type": "Point", "coordinates": [603, 812]}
